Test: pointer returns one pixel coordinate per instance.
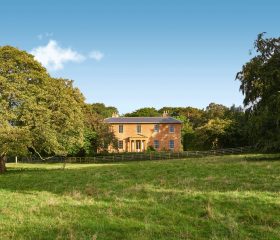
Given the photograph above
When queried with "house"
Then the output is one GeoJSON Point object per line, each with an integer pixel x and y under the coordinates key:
{"type": "Point", "coordinates": [136, 134]}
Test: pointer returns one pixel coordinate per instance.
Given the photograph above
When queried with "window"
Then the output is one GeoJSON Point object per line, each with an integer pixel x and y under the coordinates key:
{"type": "Point", "coordinates": [120, 128]}
{"type": "Point", "coordinates": [138, 128]}
{"type": "Point", "coordinates": [120, 144]}
{"type": "Point", "coordinates": [156, 128]}
{"type": "Point", "coordinates": [171, 144]}
{"type": "Point", "coordinates": [171, 129]}
{"type": "Point", "coordinates": [156, 144]}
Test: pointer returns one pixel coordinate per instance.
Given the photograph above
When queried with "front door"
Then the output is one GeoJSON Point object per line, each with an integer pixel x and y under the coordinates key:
{"type": "Point", "coordinates": [138, 145]}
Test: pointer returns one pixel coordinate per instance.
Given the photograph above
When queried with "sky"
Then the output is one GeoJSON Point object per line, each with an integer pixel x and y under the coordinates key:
{"type": "Point", "coordinates": [145, 53]}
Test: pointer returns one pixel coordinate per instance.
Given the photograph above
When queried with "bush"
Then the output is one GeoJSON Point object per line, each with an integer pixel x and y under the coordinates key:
{"type": "Point", "coordinates": [150, 149]}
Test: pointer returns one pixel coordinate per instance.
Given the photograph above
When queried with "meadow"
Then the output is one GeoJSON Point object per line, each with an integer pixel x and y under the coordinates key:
{"type": "Point", "coordinates": [229, 197]}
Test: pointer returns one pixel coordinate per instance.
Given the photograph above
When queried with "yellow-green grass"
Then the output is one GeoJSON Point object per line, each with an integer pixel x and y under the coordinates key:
{"type": "Point", "coordinates": [230, 197]}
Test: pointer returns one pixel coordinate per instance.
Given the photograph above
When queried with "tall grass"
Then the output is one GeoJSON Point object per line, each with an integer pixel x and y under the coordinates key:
{"type": "Point", "coordinates": [231, 197]}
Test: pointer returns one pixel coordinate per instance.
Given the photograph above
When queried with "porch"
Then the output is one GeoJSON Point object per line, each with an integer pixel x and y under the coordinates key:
{"type": "Point", "coordinates": [136, 143]}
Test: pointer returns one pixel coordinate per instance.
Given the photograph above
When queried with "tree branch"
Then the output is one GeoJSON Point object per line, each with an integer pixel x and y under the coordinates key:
{"type": "Point", "coordinates": [44, 159]}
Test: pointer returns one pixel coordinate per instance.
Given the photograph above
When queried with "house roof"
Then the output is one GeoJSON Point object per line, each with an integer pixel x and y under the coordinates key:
{"type": "Point", "coordinates": [142, 120]}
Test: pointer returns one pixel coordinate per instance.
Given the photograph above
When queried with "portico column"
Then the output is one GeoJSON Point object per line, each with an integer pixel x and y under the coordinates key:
{"type": "Point", "coordinates": [132, 146]}
{"type": "Point", "coordinates": [128, 146]}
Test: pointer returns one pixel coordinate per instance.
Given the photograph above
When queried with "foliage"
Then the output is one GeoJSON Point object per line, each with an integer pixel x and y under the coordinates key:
{"type": "Point", "coordinates": [37, 112]}
{"type": "Point", "coordinates": [214, 110]}
{"type": "Point", "coordinates": [98, 134]}
{"type": "Point", "coordinates": [194, 115]}
{"type": "Point", "coordinates": [150, 149]}
{"type": "Point", "coordinates": [260, 84]}
{"type": "Point", "coordinates": [102, 110]}
{"type": "Point", "coordinates": [144, 112]}
{"type": "Point", "coordinates": [212, 134]}
{"type": "Point", "coordinates": [231, 197]}
{"type": "Point", "coordinates": [188, 133]}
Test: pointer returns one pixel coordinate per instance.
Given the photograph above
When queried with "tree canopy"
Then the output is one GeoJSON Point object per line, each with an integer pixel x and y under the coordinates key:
{"type": "Point", "coordinates": [260, 84]}
{"type": "Point", "coordinates": [102, 110]}
{"type": "Point", "coordinates": [144, 112]}
{"type": "Point", "coordinates": [38, 113]}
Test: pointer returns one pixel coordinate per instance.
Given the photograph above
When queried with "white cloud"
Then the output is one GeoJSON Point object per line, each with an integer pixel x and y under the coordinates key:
{"type": "Point", "coordinates": [53, 57]}
{"type": "Point", "coordinates": [96, 55]}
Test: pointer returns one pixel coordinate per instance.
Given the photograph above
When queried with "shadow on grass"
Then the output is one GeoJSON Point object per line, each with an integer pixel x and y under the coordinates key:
{"type": "Point", "coordinates": [183, 199]}
{"type": "Point", "coordinates": [265, 157]}
{"type": "Point", "coordinates": [192, 174]}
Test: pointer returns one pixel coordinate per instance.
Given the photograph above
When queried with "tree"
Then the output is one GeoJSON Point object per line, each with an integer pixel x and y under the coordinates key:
{"type": "Point", "coordinates": [188, 133]}
{"type": "Point", "coordinates": [214, 110]}
{"type": "Point", "coordinates": [260, 85]}
{"type": "Point", "coordinates": [212, 135]}
{"type": "Point", "coordinates": [194, 115]}
{"type": "Point", "coordinates": [144, 112]}
{"type": "Point", "coordinates": [102, 110]}
{"type": "Point", "coordinates": [38, 113]}
{"type": "Point", "coordinates": [97, 134]}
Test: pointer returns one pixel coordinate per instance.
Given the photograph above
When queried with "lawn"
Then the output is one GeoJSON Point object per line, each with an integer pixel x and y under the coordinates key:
{"type": "Point", "coordinates": [231, 197]}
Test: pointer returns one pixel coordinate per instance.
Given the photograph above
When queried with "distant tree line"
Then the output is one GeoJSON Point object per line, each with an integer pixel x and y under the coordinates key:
{"type": "Point", "coordinates": [217, 126]}
{"type": "Point", "coordinates": [45, 116]}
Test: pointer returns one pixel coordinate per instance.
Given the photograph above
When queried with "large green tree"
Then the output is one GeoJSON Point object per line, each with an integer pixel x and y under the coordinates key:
{"type": "Point", "coordinates": [260, 84]}
{"type": "Point", "coordinates": [38, 113]}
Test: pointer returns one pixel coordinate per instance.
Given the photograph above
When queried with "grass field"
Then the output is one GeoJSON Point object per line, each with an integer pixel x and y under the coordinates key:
{"type": "Point", "coordinates": [231, 197]}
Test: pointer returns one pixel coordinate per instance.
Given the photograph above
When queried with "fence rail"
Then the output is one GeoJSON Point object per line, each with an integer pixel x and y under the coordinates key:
{"type": "Point", "coordinates": [118, 157]}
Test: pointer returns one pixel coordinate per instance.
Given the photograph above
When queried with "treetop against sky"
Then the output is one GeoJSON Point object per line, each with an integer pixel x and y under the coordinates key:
{"type": "Point", "coordinates": [132, 54]}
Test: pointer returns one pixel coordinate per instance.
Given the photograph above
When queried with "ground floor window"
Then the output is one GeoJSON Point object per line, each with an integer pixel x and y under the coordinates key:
{"type": "Point", "coordinates": [120, 144]}
{"type": "Point", "coordinates": [171, 144]}
{"type": "Point", "coordinates": [156, 144]}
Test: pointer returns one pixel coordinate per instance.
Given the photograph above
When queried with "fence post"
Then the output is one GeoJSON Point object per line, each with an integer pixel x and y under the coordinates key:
{"type": "Point", "coordinates": [16, 160]}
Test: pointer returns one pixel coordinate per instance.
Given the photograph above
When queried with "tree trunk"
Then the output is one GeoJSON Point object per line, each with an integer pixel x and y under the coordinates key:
{"type": "Point", "coordinates": [2, 164]}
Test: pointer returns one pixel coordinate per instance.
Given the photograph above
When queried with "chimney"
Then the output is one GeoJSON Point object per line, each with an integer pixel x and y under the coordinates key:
{"type": "Point", "coordinates": [165, 114]}
{"type": "Point", "coordinates": [115, 115]}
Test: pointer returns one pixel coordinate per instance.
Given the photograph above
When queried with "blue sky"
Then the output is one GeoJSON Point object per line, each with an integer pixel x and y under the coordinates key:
{"type": "Point", "coordinates": [132, 54]}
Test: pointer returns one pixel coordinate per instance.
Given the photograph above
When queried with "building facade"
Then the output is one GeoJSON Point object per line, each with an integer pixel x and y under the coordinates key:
{"type": "Point", "coordinates": [136, 134]}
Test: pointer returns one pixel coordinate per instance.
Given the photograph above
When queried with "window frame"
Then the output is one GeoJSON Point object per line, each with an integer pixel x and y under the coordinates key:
{"type": "Point", "coordinates": [120, 128]}
{"type": "Point", "coordinates": [171, 127]}
{"type": "Point", "coordinates": [156, 127]}
{"type": "Point", "coordinates": [120, 143]}
{"type": "Point", "coordinates": [156, 144]}
{"type": "Point", "coordinates": [173, 143]}
{"type": "Point", "coordinates": [138, 126]}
